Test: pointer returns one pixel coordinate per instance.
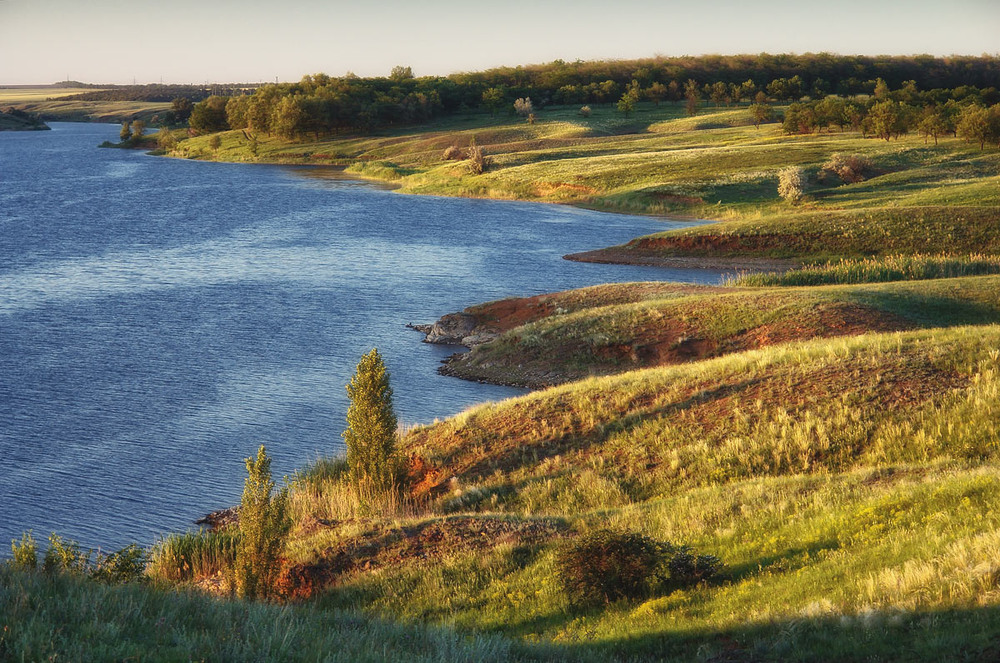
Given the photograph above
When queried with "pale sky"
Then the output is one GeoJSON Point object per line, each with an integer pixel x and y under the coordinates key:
{"type": "Point", "coordinates": [198, 41]}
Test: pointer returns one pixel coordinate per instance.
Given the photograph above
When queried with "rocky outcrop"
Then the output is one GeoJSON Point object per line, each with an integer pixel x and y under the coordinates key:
{"type": "Point", "coordinates": [457, 329]}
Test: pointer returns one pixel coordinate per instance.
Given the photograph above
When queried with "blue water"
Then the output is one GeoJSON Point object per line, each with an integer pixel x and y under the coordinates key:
{"type": "Point", "coordinates": [159, 319]}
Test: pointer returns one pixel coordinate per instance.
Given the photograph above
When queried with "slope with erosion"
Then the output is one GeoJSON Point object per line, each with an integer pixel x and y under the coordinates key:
{"type": "Point", "coordinates": [849, 484]}
{"type": "Point", "coordinates": [558, 338]}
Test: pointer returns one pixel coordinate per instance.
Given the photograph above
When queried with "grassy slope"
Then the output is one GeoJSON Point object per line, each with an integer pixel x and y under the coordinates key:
{"type": "Point", "coordinates": [924, 198]}
{"type": "Point", "coordinates": [597, 331]}
{"type": "Point", "coordinates": [850, 485]}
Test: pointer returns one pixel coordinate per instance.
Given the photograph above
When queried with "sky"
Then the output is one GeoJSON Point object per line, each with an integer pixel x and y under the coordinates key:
{"type": "Point", "coordinates": [199, 41]}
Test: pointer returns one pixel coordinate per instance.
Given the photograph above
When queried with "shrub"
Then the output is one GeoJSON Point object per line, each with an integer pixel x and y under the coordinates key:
{"type": "Point", "coordinates": [452, 153]}
{"type": "Point", "coordinates": [479, 163]}
{"type": "Point", "coordinates": [263, 530]}
{"type": "Point", "coordinates": [850, 168]}
{"type": "Point", "coordinates": [585, 111]}
{"type": "Point", "coordinates": [165, 139]}
{"type": "Point", "coordinates": [606, 565]}
{"type": "Point", "coordinates": [523, 106]}
{"type": "Point", "coordinates": [126, 565]}
{"type": "Point", "coordinates": [791, 183]}
{"type": "Point", "coordinates": [24, 553]}
{"type": "Point", "coordinates": [64, 556]}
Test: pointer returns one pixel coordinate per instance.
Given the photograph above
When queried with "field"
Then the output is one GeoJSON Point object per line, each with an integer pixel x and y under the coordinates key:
{"type": "Point", "coordinates": [830, 434]}
{"type": "Point", "coordinates": [42, 101]}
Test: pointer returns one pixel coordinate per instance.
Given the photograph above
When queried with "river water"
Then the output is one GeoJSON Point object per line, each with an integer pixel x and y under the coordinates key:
{"type": "Point", "coordinates": [160, 319]}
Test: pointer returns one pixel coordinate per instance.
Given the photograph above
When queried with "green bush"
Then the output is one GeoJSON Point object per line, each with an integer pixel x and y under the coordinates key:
{"type": "Point", "coordinates": [65, 556]}
{"type": "Point", "coordinates": [192, 555]}
{"type": "Point", "coordinates": [605, 566]}
{"type": "Point", "coordinates": [24, 553]}
{"type": "Point", "coordinates": [126, 565]}
{"type": "Point", "coordinates": [263, 530]}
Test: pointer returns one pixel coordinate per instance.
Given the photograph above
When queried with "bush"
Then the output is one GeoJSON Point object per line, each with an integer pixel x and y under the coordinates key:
{"type": "Point", "coordinates": [452, 153]}
{"type": "Point", "coordinates": [165, 139]}
{"type": "Point", "coordinates": [479, 163]}
{"type": "Point", "coordinates": [606, 565]}
{"type": "Point", "coordinates": [523, 106]}
{"type": "Point", "coordinates": [585, 111]}
{"type": "Point", "coordinates": [850, 168]}
{"type": "Point", "coordinates": [126, 565]}
{"type": "Point", "coordinates": [791, 183]}
{"type": "Point", "coordinates": [192, 555]}
{"type": "Point", "coordinates": [263, 529]}
{"type": "Point", "coordinates": [24, 553]}
{"type": "Point", "coordinates": [64, 556]}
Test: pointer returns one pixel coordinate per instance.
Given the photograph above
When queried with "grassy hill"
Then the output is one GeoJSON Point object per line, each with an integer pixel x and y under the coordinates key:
{"type": "Point", "coordinates": [45, 102]}
{"type": "Point", "coordinates": [831, 434]}
{"type": "Point", "coordinates": [552, 339]}
{"type": "Point", "coordinates": [917, 197]}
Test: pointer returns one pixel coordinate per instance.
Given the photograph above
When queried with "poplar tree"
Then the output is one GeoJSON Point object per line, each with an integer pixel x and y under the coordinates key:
{"type": "Point", "coordinates": [371, 426]}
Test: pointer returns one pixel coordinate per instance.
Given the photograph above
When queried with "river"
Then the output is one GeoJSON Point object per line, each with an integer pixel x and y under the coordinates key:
{"type": "Point", "coordinates": [160, 318]}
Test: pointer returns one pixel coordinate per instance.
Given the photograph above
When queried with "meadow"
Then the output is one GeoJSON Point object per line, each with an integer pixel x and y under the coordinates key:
{"type": "Point", "coordinates": [830, 434]}
{"type": "Point", "coordinates": [49, 103]}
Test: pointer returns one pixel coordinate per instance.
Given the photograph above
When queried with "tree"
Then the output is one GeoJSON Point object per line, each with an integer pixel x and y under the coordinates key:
{"type": "Point", "coordinates": [371, 427]}
{"type": "Point", "coordinates": [523, 106]}
{"type": "Point", "coordinates": [138, 129]}
{"type": "Point", "coordinates": [165, 139]}
{"type": "Point", "coordinates": [215, 142]}
{"type": "Point", "coordinates": [656, 92]}
{"type": "Point", "coordinates": [626, 104]}
{"type": "Point", "coordinates": [974, 125]}
{"type": "Point", "coordinates": [932, 123]}
{"type": "Point", "coordinates": [887, 119]}
{"type": "Point", "coordinates": [761, 113]}
{"type": "Point", "coordinates": [493, 99]}
{"type": "Point", "coordinates": [126, 132]}
{"type": "Point", "coordinates": [263, 529]}
{"type": "Point", "coordinates": [181, 106]}
{"type": "Point", "coordinates": [693, 94]}
{"type": "Point", "coordinates": [209, 116]}
{"type": "Point", "coordinates": [400, 73]}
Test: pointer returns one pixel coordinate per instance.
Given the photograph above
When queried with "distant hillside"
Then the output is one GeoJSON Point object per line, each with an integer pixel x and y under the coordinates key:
{"type": "Point", "coordinates": [13, 119]}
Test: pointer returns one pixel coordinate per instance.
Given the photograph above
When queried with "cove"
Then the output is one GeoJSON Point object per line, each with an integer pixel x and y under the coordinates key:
{"type": "Point", "coordinates": [160, 318]}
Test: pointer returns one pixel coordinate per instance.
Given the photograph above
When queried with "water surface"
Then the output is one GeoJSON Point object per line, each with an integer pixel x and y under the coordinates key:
{"type": "Point", "coordinates": [159, 319]}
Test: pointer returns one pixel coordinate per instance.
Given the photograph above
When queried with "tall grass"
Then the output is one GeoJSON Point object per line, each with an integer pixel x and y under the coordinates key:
{"type": "Point", "coordinates": [193, 555]}
{"type": "Point", "coordinates": [876, 270]}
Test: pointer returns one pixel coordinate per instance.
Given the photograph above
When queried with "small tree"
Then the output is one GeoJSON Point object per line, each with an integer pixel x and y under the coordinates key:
{"type": "Point", "coordinates": [215, 142]}
{"type": "Point", "coordinates": [626, 104]}
{"type": "Point", "coordinates": [165, 139]}
{"type": "Point", "coordinates": [126, 132]}
{"type": "Point", "coordinates": [523, 106]}
{"type": "Point", "coordinates": [791, 183]}
{"type": "Point", "coordinates": [138, 129]}
{"type": "Point", "coordinates": [493, 99]}
{"type": "Point", "coordinates": [263, 529]}
{"type": "Point", "coordinates": [24, 553]}
{"type": "Point", "coordinates": [761, 113]}
{"type": "Point", "coordinates": [371, 427]}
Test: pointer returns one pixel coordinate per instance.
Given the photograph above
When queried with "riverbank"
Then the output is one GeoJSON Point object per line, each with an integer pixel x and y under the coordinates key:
{"type": "Point", "coordinates": [716, 166]}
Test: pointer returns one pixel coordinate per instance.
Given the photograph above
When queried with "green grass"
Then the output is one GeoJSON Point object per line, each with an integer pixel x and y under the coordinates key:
{"type": "Point", "coordinates": [921, 198]}
{"type": "Point", "coordinates": [875, 270]}
{"type": "Point", "coordinates": [601, 331]}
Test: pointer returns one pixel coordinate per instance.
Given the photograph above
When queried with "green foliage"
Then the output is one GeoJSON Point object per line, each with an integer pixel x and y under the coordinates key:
{"type": "Point", "coordinates": [165, 139]}
{"type": "Point", "coordinates": [606, 565]}
{"type": "Point", "coordinates": [850, 168]}
{"type": "Point", "coordinates": [138, 129]}
{"type": "Point", "coordinates": [371, 427]}
{"type": "Point", "coordinates": [876, 270]}
{"type": "Point", "coordinates": [215, 142]}
{"type": "Point", "coordinates": [65, 556]}
{"type": "Point", "coordinates": [194, 555]}
{"type": "Point", "coordinates": [126, 132]}
{"type": "Point", "coordinates": [263, 530]}
{"type": "Point", "coordinates": [24, 553]}
{"type": "Point", "coordinates": [209, 116]}
{"type": "Point", "coordinates": [125, 565]}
